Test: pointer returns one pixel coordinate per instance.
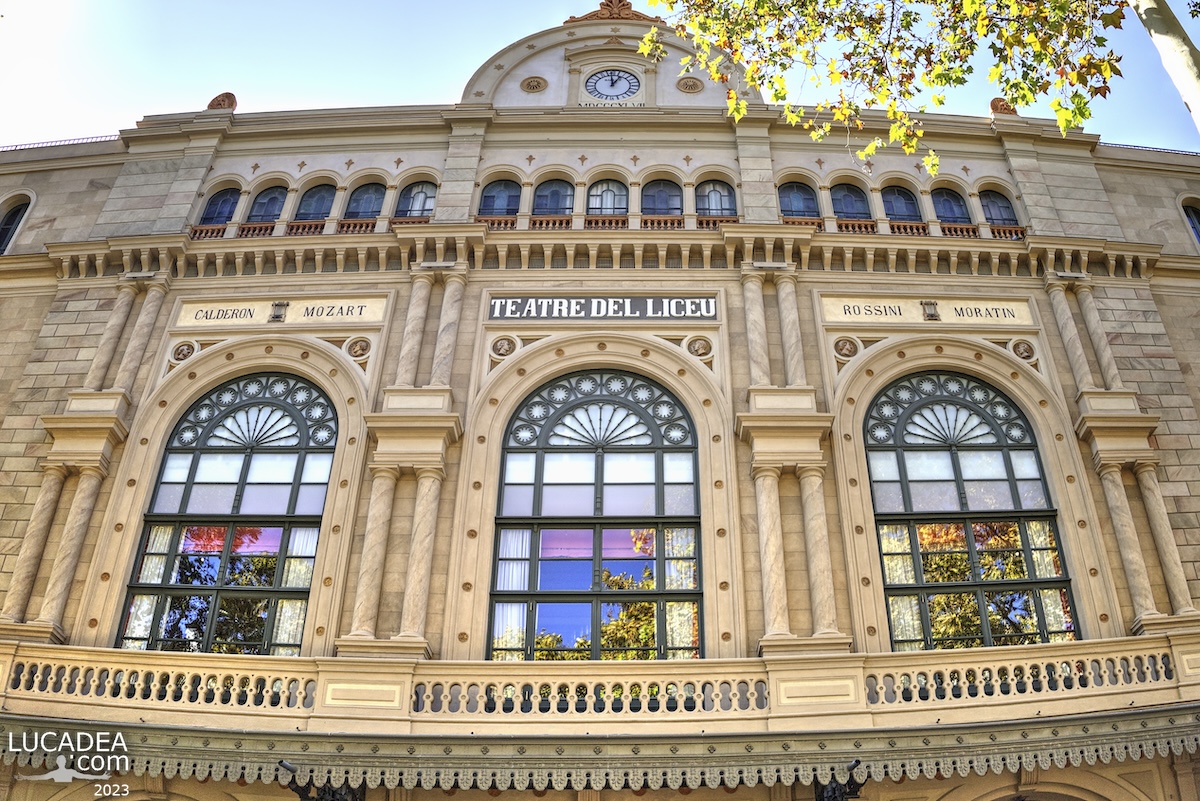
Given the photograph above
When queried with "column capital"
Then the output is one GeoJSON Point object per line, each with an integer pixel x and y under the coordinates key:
{"type": "Point", "coordinates": [454, 277]}
{"type": "Point", "coordinates": [806, 470]}
{"type": "Point", "coordinates": [379, 470]}
{"type": "Point", "coordinates": [766, 471]}
{"type": "Point", "coordinates": [56, 467]}
{"type": "Point", "coordinates": [159, 286]}
{"type": "Point", "coordinates": [1081, 287]}
{"type": "Point", "coordinates": [430, 471]}
{"type": "Point", "coordinates": [1104, 468]}
{"type": "Point", "coordinates": [787, 276]}
{"type": "Point", "coordinates": [100, 471]}
{"type": "Point", "coordinates": [130, 286]}
{"type": "Point", "coordinates": [753, 275]}
{"type": "Point", "coordinates": [1145, 466]}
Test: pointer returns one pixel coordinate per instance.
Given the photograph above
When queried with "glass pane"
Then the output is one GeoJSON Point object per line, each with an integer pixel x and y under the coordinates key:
{"type": "Point", "coordinates": [941, 537]}
{"type": "Point", "coordinates": [563, 626]}
{"type": "Point", "coordinates": [894, 539]}
{"type": "Point", "coordinates": [933, 496]}
{"type": "Point", "coordinates": [627, 574]}
{"type": "Point", "coordinates": [988, 495]}
{"type": "Point", "coordinates": [219, 468]}
{"type": "Point", "coordinates": [569, 468]}
{"type": "Point", "coordinates": [982, 464]}
{"type": "Point", "coordinates": [635, 499]}
{"type": "Point", "coordinates": [899, 570]}
{"type": "Point", "coordinates": [272, 468]}
{"type": "Point", "coordinates": [996, 535]}
{"type": "Point", "coordinates": [928, 465]}
{"type": "Point", "coordinates": [310, 500]}
{"type": "Point", "coordinates": [316, 468]}
{"type": "Point", "coordinates": [152, 569]}
{"type": "Point", "coordinates": [303, 541]}
{"type": "Point", "coordinates": [1040, 534]}
{"type": "Point", "coordinates": [1046, 564]}
{"type": "Point", "coordinates": [683, 624]}
{"type": "Point", "coordinates": [159, 540]}
{"type": "Point", "coordinates": [1032, 494]}
{"type": "Point", "coordinates": [888, 497]}
{"type": "Point", "coordinates": [681, 574]}
{"type": "Point", "coordinates": [1057, 610]}
{"type": "Point", "coordinates": [267, 499]}
{"type": "Point", "coordinates": [176, 468]}
{"type": "Point", "coordinates": [141, 615]}
{"type": "Point", "coordinates": [680, 541]}
{"type": "Point", "coordinates": [185, 618]}
{"type": "Point", "coordinates": [168, 498]}
{"type": "Point", "coordinates": [256, 540]}
{"type": "Point", "coordinates": [629, 468]}
{"type": "Point", "coordinates": [946, 567]}
{"type": "Point", "coordinates": [627, 542]}
{"type": "Point", "coordinates": [203, 539]}
{"type": "Point", "coordinates": [679, 499]}
{"type": "Point", "coordinates": [241, 620]}
{"type": "Point", "coordinates": [678, 468]}
{"type": "Point", "coordinates": [954, 620]}
{"type": "Point", "coordinates": [1024, 464]}
{"type": "Point", "coordinates": [1011, 613]}
{"type": "Point", "coordinates": [517, 501]}
{"type": "Point", "coordinates": [906, 617]}
{"type": "Point", "coordinates": [569, 500]}
{"type": "Point", "coordinates": [566, 543]}
{"type": "Point", "coordinates": [289, 620]}
{"type": "Point", "coordinates": [297, 573]}
{"type": "Point", "coordinates": [628, 630]}
{"type": "Point", "coordinates": [251, 571]}
{"type": "Point", "coordinates": [883, 466]}
{"type": "Point", "coordinates": [512, 575]}
{"type": "Point", "coordinates": [564, 574]}
{"type": "Point", "coordinates": [1002, 565]}
{"type": "Point", "coordinates": [514, 543]}
{"type": "Point", "coordinates": [211, 498]}
{"type": "Point", "coordinates": [508, 626]}
{"type": "Point", "coordinates": [196, 570]}
{"type": "Point", "coordinates": [518, 468]}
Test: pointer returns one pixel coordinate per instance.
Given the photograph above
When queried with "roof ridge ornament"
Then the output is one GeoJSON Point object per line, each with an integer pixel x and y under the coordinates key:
{"type": "Point", "coordinates": [615, 9]}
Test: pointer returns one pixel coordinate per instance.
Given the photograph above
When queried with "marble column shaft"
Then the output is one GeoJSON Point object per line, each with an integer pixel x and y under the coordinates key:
{"type": "Point", "coordinates": [756, 330]}
{"type": "Point", "coordinates": [1127, 541]}
{"type": "Point", "coordinates": [770, 551]}
{"type": "Point", "coordinates": [420, 555]}
{"type": "Point", "coordinates": [374, 552]}
{"type": "Point", "coordinates": [1070, 336]}
{"type": "Point", "coordinates": [33, 544]}
{"type": "Point", "coordinates": [1095, 329]}
{"type": "Point", "coordinates": [789, 324]}
{"type": "Point", "coordinates": [816, 545]}
{"type": "Point", "coordinates": [414, 330]}
{"type": "Point", "coordinates": [113, 329]}
{"type": "Point", "coordinates": [447, 337]}
{"type": "Point", "coordinates": [1164, 538]}
{"type": "Point", "coordinates": [66, 561]}
{"type": "Point", "coordinates": [131, 361]}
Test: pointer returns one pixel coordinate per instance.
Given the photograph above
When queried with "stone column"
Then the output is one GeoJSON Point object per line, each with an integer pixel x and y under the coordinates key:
{"type": "Point", "coordinates": [414, 330]}
{"type": "Point", "coordinates": [131, 361]}
{"type": "Point", "coordinates": [816, 545]}
{"type": "Point", "coordinates": [447, 337]}
{"type": "Point", "coordinates": [1164, 538]}
{"type": "Point", "coordinates": [1127, 541]}
{"type": "Point", "coordinates": [33, 544]}
{"type": "Point", "coordinates": [770, 551]}
{"type": "Point", "coordinates": [420, 555]}
{"type": "Point", "coordinates": [1070, 335]}
{"type": "Point", "coordinates": [1095, 329]}
{"type": "Point", "coordinates": [789, 324]}
{"type": "Point", "coordinates": [112, 334]}
{"type": "Point", "coordinates": [374, 552]}
{"type": "Point", "coordinates": [66, 561]}
{"type": "Point", "coordinates": [756, 329]}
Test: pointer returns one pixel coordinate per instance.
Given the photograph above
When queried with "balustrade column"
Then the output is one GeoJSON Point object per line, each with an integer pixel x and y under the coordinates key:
{"type": "Point", "coordinates": [756, 329]}
{"type": "Point", "coordinates": [770, 551]}
{"type": "Point", "coordinates": [447, 337]}
{"type": "Point", "coordinates": [33, 544]}
{"type": "Point", "coordinates": [414, 330]}
{"type": "Point", "coordinates": [1127, 541]}
{"type": "Point", "coordinates": [1070, 335]}
{"type": "Point", "coordinates": [816, 545]}
{"type": "Point", "coordinates": [374, 552]}
{"type": "Point", "coordinates": [1164, 538]}
{"type": "Point", "coordinates": [66, 561]}
{"type": "Point", "coordinates": [789, 324]}
{"type": "Point", "coordinates": [420, 555]}
{"type": "Point", "coordinates": [113, 329]}
{"type": "Point", "coordinates": [131, 361]}
{"type": "Point", "coordinates": [1095, 329]}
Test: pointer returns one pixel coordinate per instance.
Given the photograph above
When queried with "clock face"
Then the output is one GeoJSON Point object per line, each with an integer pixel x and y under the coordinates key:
{"type": "Point", "coordinates": [613, 85]}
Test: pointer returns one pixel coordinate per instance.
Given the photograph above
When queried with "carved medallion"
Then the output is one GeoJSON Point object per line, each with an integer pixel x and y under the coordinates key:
{"type": "Point", "coordinates": [504, 346]}
{"type": "Point", "coordinates": [690, 84]}
{"type": "Point", "coordinates": [1023, 349]}
{"type": "Point", "coordinates": [1001, 106]}
{"type": "Point", "coordinates": [699, 347]}
{"type": "Point", "coordinates": [223, 101]}
{"type": "Point", "coordinates": [183, 351]}
{"type": "Point", "coordinates": [358, 348]}
{"type": "Point", "coordinates": [846, 348]}
{"type": "Point", "coordinates": [534, 84]}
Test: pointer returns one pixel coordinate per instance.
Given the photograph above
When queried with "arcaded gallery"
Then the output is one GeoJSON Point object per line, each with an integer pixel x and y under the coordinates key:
{"type": "Point", "coordinates": [574, 442]}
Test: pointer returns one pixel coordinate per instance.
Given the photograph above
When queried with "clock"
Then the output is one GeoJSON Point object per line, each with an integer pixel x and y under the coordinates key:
{"type": "Point", "coordinates": [613, 84]}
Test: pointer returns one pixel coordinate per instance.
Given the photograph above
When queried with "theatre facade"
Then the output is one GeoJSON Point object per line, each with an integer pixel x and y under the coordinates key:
{"type": "Point", "coordinates": [574, 441]}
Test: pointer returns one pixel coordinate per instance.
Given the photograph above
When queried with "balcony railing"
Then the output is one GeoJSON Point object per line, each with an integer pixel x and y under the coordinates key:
{"type": "Point", "coordinates": [605, 222]}
{"type": "Point", "coordinates": [903, 228]}
{"type": "Point", "coordinates": [1015, 233]}
{"type": "Point", "coordinates": [712, 223]}
{"type": "Point", "coordinates": [550, 222]}
{"type": "Point", "coordinates": [667, 223]}
{"type": "Point", "coordinates": [504, 223]}
{"type": "Point", "coordinates": [857, 226]}
{"type": "Point", "coordinates": [255, 230]}
{"type": "Point", "coordinates": [208, 231]}
{"type": "Point", "coordinates": [305, 227]}
{"type": "Point", "coordinates": [409, 220]}
{"type": "Point", "coordinates": [960, 230]}
{"type": "Point", "coordinates": [816, 223]}
{"type": "Point", "coordinates": [356, 226]}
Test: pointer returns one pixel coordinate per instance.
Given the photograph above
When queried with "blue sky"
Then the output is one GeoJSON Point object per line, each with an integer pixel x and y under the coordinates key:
{"type": "Point", "coordinates": [91, 68]}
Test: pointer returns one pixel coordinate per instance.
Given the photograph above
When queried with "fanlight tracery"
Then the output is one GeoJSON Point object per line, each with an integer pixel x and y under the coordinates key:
{"type": "Point", "coordinates": [260, 411]}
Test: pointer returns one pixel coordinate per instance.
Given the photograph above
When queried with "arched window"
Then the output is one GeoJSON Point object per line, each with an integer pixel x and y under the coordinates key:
{"type": "Point", "coordinates": [971, 554]}
{"type": "Point", "coordinates": [608, 197]}
{"type": "Point", "coordinates": [798, 200]}
{"type": "Point", "coordinates": [316, 203]}
{"type": "Point", "coordinates": [597, 546]}
{"type": "Point", "coordinates": [1191, 212]}
{"type": "Point", "coordinates": [900, 205]}
{"type": "Point", "coordinates": [220, 207]}
{"type": "Point", "coordinates": [417, 200]}
{"type": "Point", "coordinates": [268, 205]}
{"type": "Point", "coordinates": [950, 206]}
{"type": "Point", "coordinates": [553, 197]}
{"type": "Point", "coordinates": [849, 202]}
{"type": "Point", "coordinates": [231, 536]}
{"type": "Point", "coordinates": [997, 209]}
{"type": "Point", "coordinates": [500, 199]}
{"type": "Point", "coordinates": [715, 199]}
{"type": "Point", "coordinates": [662, 198]}
{"type": "Point", "coordinates": [8, 224]}
{"type": "Point", "coordinates": [365, 202]}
